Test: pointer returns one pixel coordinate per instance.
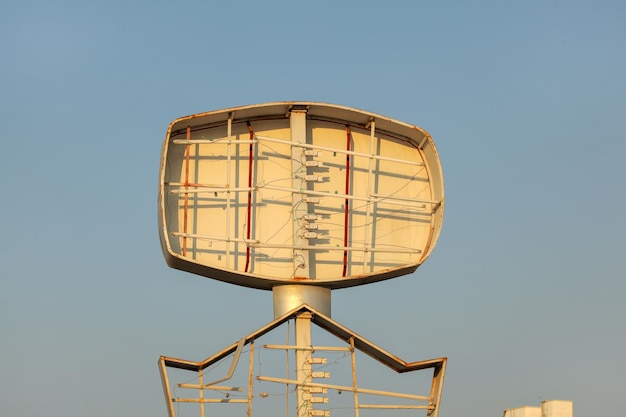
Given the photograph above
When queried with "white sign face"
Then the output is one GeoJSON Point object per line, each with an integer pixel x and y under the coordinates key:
{"type": "Point", "coordinates": [298, 193]}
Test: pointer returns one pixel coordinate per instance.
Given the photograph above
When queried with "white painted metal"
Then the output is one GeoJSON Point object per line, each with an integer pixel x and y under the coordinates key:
{"type": "Point", "coordinates": [551, 408]}
{"type": "Point", "coordinates": [298, 173]}
{"type": "Point", "coordinates": [523, 412]}
{"type": "Point", "coordinates": [557, 408]}
{"type": "Point", "coordinates": [288, 297]}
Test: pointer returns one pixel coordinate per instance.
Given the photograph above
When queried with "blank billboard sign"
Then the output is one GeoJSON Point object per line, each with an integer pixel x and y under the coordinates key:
{"type": "Point", "coordinates": [298, 193]}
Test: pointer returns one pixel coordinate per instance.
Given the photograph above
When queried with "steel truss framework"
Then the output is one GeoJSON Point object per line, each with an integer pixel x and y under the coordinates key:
{"type": "Point", "coordinates": [428, 403]}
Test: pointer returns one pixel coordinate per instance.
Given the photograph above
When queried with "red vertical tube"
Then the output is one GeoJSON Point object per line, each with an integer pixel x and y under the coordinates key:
{"type": "Point", "coordinates": [346, 203]}
{"type": "Point", "coordinates": [186, 205]}
{"type": "Point", "coordinates": [250, 160]}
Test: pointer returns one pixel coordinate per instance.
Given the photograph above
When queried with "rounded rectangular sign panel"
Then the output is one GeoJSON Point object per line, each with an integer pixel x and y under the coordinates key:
{"type": "Point", "coordinates": [298, 193]}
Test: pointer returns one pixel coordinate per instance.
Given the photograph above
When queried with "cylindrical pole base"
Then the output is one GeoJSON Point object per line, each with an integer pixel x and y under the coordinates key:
{"type": "Point", "coordinates": [288, 297]}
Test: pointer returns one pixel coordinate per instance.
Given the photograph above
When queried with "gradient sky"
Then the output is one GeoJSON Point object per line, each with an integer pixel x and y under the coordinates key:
{"type": "Point", "coordinates": [526, 102]}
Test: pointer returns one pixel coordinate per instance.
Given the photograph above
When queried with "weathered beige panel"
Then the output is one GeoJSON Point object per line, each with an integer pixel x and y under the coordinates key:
{"type": "Point", "coordinates": [296, 201]}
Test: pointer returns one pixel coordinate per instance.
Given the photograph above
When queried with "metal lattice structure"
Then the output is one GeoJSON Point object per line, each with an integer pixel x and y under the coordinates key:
{"type": "Point", "coordinates": [299, 198]}
{"type": "Point", "coordinates": [314, 392]}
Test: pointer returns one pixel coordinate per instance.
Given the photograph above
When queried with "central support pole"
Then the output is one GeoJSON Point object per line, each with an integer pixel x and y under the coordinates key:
{"type": "Point", "coordinates": [303, 363]}
{"type": "Point", "coordinates": [287, 298]}
{"type": "Point", "coordinates": [300, 206]}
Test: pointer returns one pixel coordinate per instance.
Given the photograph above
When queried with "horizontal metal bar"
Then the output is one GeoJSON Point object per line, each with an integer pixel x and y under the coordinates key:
{"type": "Point", "coordinates": [378, 198]}
{"type": "Point", "coordinates": [217, 238]}
{"type": "Point", "coordinates": [344, 388]}
{"type": "Point", "coordinates": [210, 187]}
{"type": "Point", "coordinates": [339, 151]}
{"type": "Point", "coordinates": [211, 387]}
{"type": "Point", "coordinates": [396, 407]}
{"type": "Point", "coordinates": [372, 199]}
{"type": "Point", "coordinates": [220, 141]}
{"type": "Point", "coordinates": [418, 200]}
{"type": "Point", "coordinates": [182, 184]}
{"type": "Point", "coordinates": [335, 248]}
{"type": "Point", "coordinates": [259, 245]}
{"type": "Point", "coordinates": [198, 189]}
{"type": "Point", "coordinates": [208, 400]}
{"type": "Point", "coordinates": [311, 348]}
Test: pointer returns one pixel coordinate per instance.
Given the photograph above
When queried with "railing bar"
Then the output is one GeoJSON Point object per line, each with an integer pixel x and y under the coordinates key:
{"type": "Point", "coordinates": [345, 388]}
{"type": "Point", "coordinates": [220, 141]}
{"type": "Point", "coordinates": [388, 199]}
{"type": "Point", "coordinates": [212, 237]}
{"type": "Point", "coordinates": [258, 139]}
{"type": "Point", "coordinates": [257, 244]}
{"type": "Point", "coordinates": [377, 198]}
{"type": "Point", "coordinates": [394, 407]}
{"type": "Point", "coordinates": [208, 400]}
{"type": "Point", "coordinates": [210, 387]}
{"type": "Point", "coordinates": [321, 348]}
{"type": "Point", "coordinates": [339, 151]}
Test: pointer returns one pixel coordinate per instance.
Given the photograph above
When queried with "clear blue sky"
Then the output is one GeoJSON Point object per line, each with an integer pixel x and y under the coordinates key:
{"type": "Point", "coordinates": [526, 102]}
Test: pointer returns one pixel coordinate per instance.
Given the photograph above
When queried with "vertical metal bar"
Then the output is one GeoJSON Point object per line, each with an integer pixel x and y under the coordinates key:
{"type": "Point", "coordinates": [303, 363]}
{"type": "Point", "coordinates": [346, 203]}
{"type": "Point", "coordinates": [166, 388]}
{"type": "Point", "coordinates": [250, 378]}
{"type": "Point", "coordinates": [368, 207]}
{"type": "Point", "coordinates": [186, 204]}
{"type": "Point", "coordinates": [287, 376]}
{"type": "Point", "coordinates": [228, 184]}
{"type": "Point", "coordinates": [301, 264]}
{"type": "Point", "coordinates": [201, 392]}
{"type": "Point", "coordinates": [249, 215]}
{"type": "Point", "coordinates": [356, 394]}
{"type": "Point", "coordinates": [439, 374]}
